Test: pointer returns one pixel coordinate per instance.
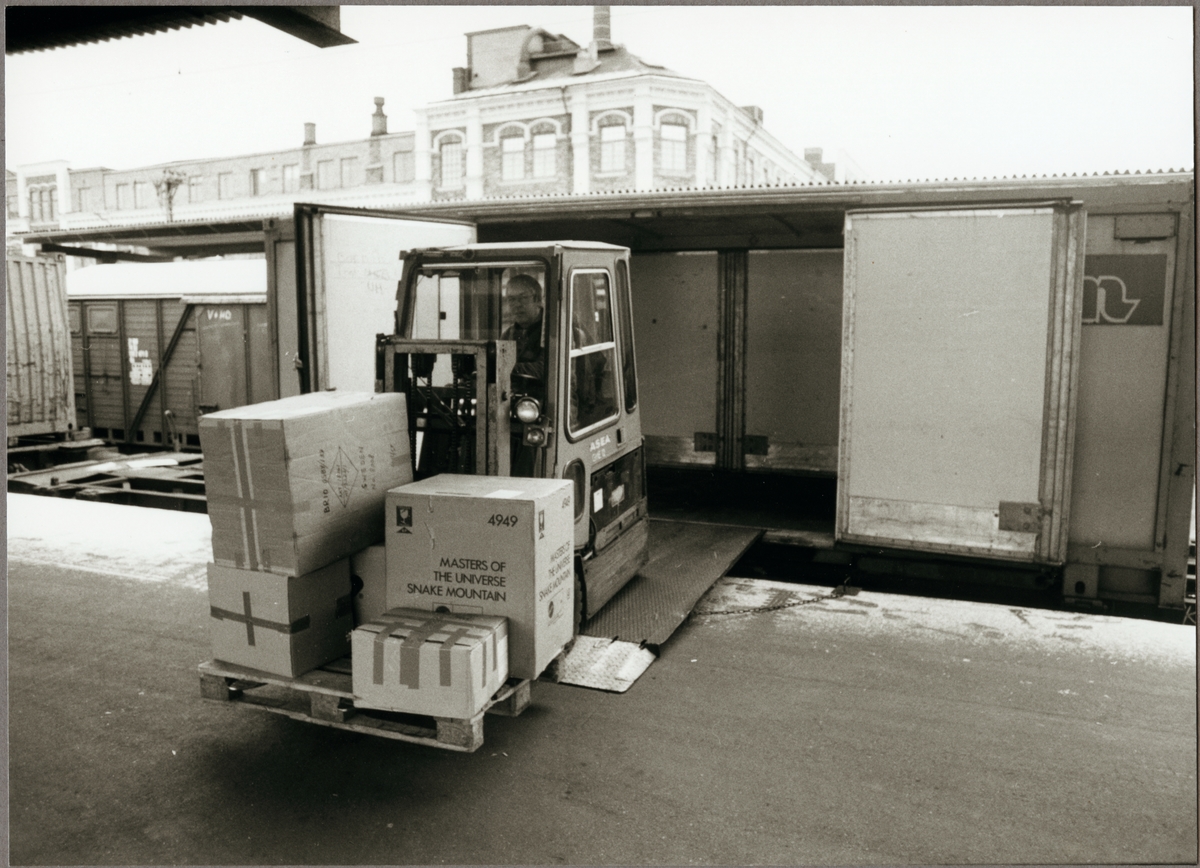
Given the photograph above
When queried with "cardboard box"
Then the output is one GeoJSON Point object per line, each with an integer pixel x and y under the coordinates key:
{"type": "Point", "coordinates": [285, 625]}
{"type": "Point", "coordinates": [298, 483]}
{"type": "Point", "coordinates": [427, 663]}
{"type": "Point", "coordinates": [488, 545]}
{"type": "Point", "coordinates": [368, 576]}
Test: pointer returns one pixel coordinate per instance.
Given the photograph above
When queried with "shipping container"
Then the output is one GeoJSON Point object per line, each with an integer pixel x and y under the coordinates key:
{"type": "Point", "coordinates": [960, 341]}
{"type": "Point", "coordinates": [157, 344]}
{"type": "Point", "coordinates": [758, 337]}
{"type": "Point", "coordinates": [41, 399]}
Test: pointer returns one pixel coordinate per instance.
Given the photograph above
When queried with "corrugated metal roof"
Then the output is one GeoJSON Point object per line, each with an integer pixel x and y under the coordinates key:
{"type": "Point", "coordinates": [39, 28]}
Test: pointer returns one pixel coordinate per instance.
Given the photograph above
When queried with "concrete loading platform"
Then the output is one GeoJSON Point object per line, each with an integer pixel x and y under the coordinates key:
{"type": "Point", "coordinates": [779, 725]}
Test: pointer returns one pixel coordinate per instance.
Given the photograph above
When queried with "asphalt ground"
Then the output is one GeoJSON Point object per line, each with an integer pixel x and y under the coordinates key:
{"type": "Point", "coordinates": [777, 727]}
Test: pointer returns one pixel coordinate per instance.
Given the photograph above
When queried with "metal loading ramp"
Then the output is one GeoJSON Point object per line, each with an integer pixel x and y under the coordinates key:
{"type": "Point", "coordinates": [620, 642]}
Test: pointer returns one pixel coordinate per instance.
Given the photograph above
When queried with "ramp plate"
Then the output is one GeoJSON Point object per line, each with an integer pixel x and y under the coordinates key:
{"type": "Point", "coordinates": [686, 559]}
{"type": "Point", "coordinates": [604, 664]}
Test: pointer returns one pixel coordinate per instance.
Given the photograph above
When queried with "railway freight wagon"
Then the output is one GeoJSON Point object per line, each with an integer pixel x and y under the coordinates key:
{"type": "Point", "coordinates": [157, 344]}
{"type": "Point", "coordinates": [41, 400]}
{"type": "Point", "coordinates": [1000, 376]}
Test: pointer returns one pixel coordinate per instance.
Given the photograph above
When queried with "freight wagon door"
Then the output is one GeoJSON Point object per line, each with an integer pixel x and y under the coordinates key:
{"type": "Point", "coordinates": [347, 269]}
{"type": "Point", "coordinates": [960, 338]}
{"type": "Point", "coordinates": [235, 352]}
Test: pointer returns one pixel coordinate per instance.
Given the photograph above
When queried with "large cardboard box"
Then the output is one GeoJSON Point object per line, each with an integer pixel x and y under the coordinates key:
{"type": "Point", "coordinates": [285, 625]}
{"type": "Point", "coordinates": [368, 574]}
{"type": "Point", "coordinates": [296, 484]}
{"type": "Point", "coordinates": [426, 663]}
{"type": "Point", "coordinates": [488, 545]}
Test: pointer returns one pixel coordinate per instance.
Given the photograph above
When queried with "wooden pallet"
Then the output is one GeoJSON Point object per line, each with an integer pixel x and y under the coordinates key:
{"type": "Point", "coordinates": [325, 696]}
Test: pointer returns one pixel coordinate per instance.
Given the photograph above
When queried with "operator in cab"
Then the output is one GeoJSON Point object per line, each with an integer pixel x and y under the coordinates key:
{"type": "Point", "coordinates": [523, 307]}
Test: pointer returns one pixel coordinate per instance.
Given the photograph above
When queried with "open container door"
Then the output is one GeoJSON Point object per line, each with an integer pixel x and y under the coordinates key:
{"type": "Point", "coordinates": [347, 270]}
{"type": "Point", "coordinates": [961, 330]}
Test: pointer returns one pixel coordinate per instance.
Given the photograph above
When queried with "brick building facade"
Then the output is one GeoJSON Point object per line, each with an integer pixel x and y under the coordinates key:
{"type": "Point", "coordinates": [532, 113]}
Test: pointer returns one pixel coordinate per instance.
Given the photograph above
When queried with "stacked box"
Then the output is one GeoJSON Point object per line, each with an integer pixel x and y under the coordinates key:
{"type": "Point", "coordinates": [296, 484]}
{"type": "Point", "coordinates": [368, 573]}
{"type": "Point", "coordinates": [284, 625]}
{"type": "Point", "coordinates": [488, 545]}
{"type": "Point", "coordinates": [425, 663]}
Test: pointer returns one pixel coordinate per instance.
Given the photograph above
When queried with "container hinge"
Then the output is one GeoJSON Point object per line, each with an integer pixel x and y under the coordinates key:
{"type": "Point", "coordinates": [1021, 517]}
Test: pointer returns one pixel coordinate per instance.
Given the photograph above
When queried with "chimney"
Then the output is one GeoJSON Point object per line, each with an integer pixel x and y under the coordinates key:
{"type": "Point", "coordinates": [378, 120]}
{"type": "Point", "coordinates": [601, 27]}
{"type": "Point", "coordinates": [462, 79]}
{"type": "Point", "coordinates": [310, 134]}
{"type": "Point", "coordinates": [813, 156]}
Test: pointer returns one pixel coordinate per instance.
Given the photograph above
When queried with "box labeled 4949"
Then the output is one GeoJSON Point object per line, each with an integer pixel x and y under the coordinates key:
{"type": "Point", "coordinates": [488, 545]}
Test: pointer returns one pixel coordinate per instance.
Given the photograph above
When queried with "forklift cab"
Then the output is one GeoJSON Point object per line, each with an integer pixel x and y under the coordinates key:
{"type": "Point", "coordinates": [518, 360]}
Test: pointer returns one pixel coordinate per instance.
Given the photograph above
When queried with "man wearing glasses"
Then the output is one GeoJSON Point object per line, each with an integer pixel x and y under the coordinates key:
{"type": "Point", "coordinates": [523, 305]}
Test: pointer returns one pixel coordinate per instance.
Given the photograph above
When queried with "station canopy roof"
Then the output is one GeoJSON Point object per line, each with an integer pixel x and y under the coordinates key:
{"type": "Point", "coordinates": [42, 27]}
{"type": "Point", "coordinates": [803, 216]}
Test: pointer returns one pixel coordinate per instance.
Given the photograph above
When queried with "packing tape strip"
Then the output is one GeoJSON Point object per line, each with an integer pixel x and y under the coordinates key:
{"type": "Point", "coordinates": [410, 653]}
{"type": "Point", "coordinates": [377, 650]}
{"type": "Point", "coordinates": [246, 616]}
{"type": "Point", "coordinates": [420, 631]}
{"type": "Point", "coordinates": [445, 659]}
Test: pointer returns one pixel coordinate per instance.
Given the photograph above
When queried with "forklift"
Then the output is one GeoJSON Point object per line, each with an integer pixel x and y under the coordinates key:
{"type": "Point", "coordinates": [515, 360]}
{"type": "Point", "coordinates": [518, 360]}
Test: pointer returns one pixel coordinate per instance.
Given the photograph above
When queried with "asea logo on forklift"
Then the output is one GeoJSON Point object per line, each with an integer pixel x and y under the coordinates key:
{"type": "Point", "coordinates": [599, 446]}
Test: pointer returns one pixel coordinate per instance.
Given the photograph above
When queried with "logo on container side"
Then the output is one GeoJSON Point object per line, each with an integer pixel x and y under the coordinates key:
{"type": "Point", "coordinates": [404, 519]}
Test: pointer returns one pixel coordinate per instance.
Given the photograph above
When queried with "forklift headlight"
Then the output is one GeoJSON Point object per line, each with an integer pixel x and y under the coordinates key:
{"type": "Point", "coordinates": [527, 410]}
{"type": "Point", "coordinates": [535, 435]}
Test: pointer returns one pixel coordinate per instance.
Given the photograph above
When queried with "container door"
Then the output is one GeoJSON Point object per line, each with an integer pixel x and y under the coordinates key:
{"type": "Point", "coordinates": [37, 349]}
{"type": "Point", "coordinates": [676, 316]}
{"type": "Point", "coordinates": [348, 271]}
{"type": "Point", "coordinates": [102, 355]}
{"type": "Point", "coordinates": [259, 355]}
{"type": "Point", "coordinates": [793, 359]}
{"type": "Point", "coordinates": [960, 338]}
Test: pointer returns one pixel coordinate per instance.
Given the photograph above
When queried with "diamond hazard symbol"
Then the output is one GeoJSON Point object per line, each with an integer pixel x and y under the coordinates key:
{"type": "Point", "coordinates": [342, 476]}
